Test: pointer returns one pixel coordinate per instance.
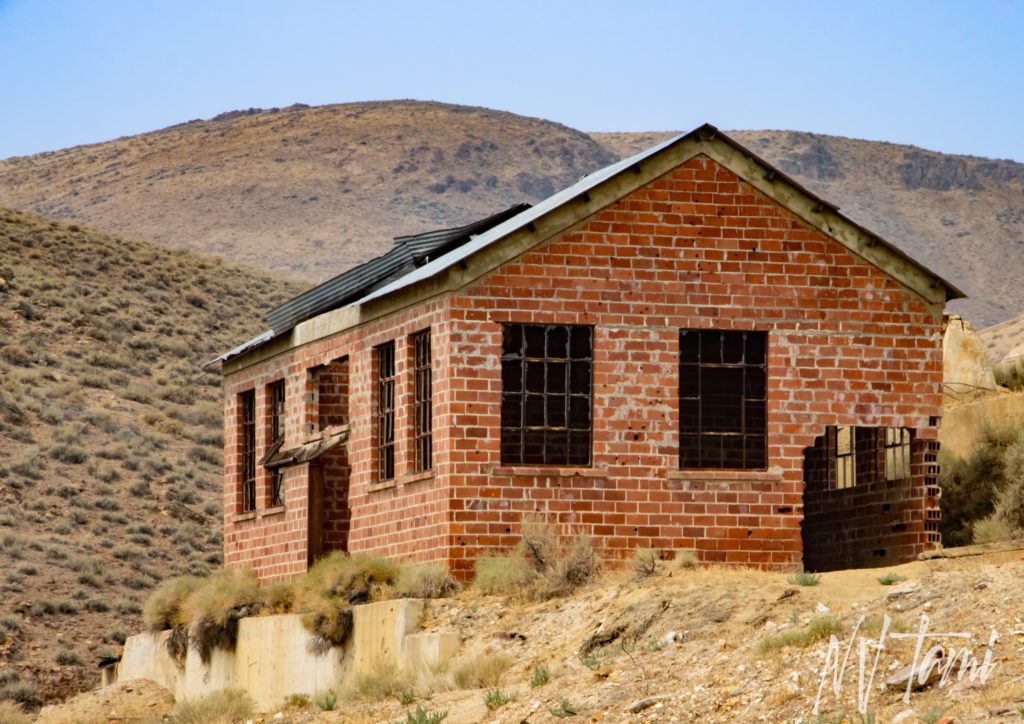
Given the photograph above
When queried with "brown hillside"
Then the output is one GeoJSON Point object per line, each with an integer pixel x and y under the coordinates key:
{"type": "Point", "coordinates": [110, 436]}
{"type": "Point", "coordinates": [308, 191]}
{"type": "Point", "coordinates": [311, 191]}
{"type": "Point", "coordinates": [1001, 338]}
{"type": "Point", "coordinates": [963, 216]}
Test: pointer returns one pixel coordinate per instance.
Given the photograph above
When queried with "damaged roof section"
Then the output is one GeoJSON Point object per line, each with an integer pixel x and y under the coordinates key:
{"type": "Point", "coordinates": [409, 253]}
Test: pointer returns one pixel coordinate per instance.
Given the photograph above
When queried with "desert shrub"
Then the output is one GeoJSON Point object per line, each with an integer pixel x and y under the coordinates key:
{"type": "Point", "coordinates": [220, 707]}
{"type": "Point", "coordinates": [481, 672]}
{"type": "Point", "coordinates": [326, 701]}
{"type": "Point", "coordinates": [21, 692]}
{"type": "Point", "coordinates": [992, 529]}
{"type": "Point", "coordinates": [685, 559]}
{"type": "Point", "coordinates": [541, 567]}
{"type": "Point", "coordinates": [645, 562]}
{"type": "Point", "coordinates": [332, 586]}
{"type": "Point", "coordinates": [213, 608]}
{"type": "Point", "coordinates": [12, 713]}
{"type": "Point", "coordinates": [970, 486]}
{"type": "Point", "coordinates": [424, 580]}
{"type": "Point", "coordinates": [382, 682]}
{"type": "Point", "coordinates": [67, 657]}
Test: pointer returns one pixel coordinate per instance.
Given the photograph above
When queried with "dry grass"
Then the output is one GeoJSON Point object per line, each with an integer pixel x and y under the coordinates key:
{"type": "Point", "coordinates": [226, 706]}
{"type": "Point", "coordinates": [163, 609]}
{"type": "Point", "coordinates": [424, 580]}
{"type": "Point", "coordinates": [383, 682]}
{"type": "Point", "coordinates": [543, 565]}
{"type": "Point", "coordinates": [482, 672]}
{"type": "Point", "coordinates": [11, 713]}
{"type": "Point", "coordinates": [818, 629]}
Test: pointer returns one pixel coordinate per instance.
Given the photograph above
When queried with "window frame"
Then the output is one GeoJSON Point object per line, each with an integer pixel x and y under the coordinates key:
{"type": "Point", "coordinates": [276, 398]}
{"type": "Point", "coordinates": [557, 399]}
{"type": "Point", "coordinates": [385, 379]}
{"type": "Point", "coordinates": [421, 402]}
{"type": "Point", "coordinates": [752, 404]}
{"type": "Point", "coordinates": [247, 432]}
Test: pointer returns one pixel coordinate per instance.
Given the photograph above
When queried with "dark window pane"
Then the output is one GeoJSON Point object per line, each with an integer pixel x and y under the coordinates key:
{"type": "Point", "coordinates": [556, 447]}
{"type": "Point", "coordinates": [689, 347]}
{"type": "Point", "coordinates": [534, 340]}
{"type": "Point", "coordinates": [756, 451]}
{"type": "Point", "coordinates": [511, 410]}
{"type": "Point", "coordinates": [689, 451]}
{"type": "Point", "coordinates": [722, 400]}
{"type": "Point", "coordinates": [579, 378]}
{"type": "Point", "coordinates": [512, 376]}
{"type": "Point", "coordinates": [579, 447]}
{"type": "Point", "coordinates": [689, 415]}
{"type": "Point", "coordinates": [756, 348]}
{"type": "Point", "coordinates": [732, 347]}
{"type": "Point", "coordinates": [711, 451]}
{"type": "Point", "coordinates": [732, 451]}
{"type": "Point", "coordinates": [710, 347]}
{"type": "Point", "coordinates": [755, 383]}
{"type": "Point", "coordinates": [689, 381]}
{"type": "Point", "coordinates": [755, 417]}
{"type": "Point", "coordinates": [581, 343]}
{"type": "Point", "coordinates": [556, 377]}
{"type": "Point", "coordinates": [556, 411]}
{"type": "Point", "coordinates": [579, 413]}
{"type": "Point", "coordinates": [558, 342]}
{"type": "Point", "coordinates": [535, 377]}
{"type": "Point", "coordinates": [512, 340]}
{"type": "Point", "coordinates": [533, 447]}
{"type": "Point", "coordinates": [534, 416]}
{"type": "Point", "coordinates": [511, 446]}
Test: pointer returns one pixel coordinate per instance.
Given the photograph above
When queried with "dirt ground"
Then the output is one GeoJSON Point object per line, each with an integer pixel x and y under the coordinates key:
{"type": "Point", "coordinates": [691, 639]}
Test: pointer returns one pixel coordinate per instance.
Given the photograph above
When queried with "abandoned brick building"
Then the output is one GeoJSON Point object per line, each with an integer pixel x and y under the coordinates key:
{"type": "Point", "coordinates": [684, 350]}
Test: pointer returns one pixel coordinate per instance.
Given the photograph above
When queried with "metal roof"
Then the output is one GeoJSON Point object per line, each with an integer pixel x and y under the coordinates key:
{"type": "Point", "coordinates": [408, 253]}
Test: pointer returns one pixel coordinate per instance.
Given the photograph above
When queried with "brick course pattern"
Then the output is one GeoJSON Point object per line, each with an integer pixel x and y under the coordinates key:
{"type": "Point", "coordinates": [697, 248]}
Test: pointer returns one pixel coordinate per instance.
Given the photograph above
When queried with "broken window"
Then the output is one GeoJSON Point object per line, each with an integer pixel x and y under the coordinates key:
{"type": "Point", "coordinates": [275, 393]}
{"type": "Point", "coordinates": [722, 399]}
{"type": "Point", "coordinates": [247, 403]}
{"type": "Point", "coordinates": [421, 402]}
{"type": "Point", "coordinates": [897, 453]}
{"type": "Point", "coordinates": [546, 394]}
{"type": "Point", "coordinates": [862, 455]}
{"type": "Point", "coordinates": [385, 354]}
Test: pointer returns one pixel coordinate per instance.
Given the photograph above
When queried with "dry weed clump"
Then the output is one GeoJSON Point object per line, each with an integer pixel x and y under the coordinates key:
{"type": "Point", "coordinates": [482, 672]}
{"type": "Point", "coordinates": [163, 607]}
{"type": "Point", "coordinates": [12, 713]}
{"type": "Point", "coordinates": [332, 586]}
{"type": "Point", "coordinates": [383, 682]}
{"type": "Point", "coordinates": [212, 610]}
{"type": "Point", "coordinates": [818, 629]}
{"type": "Point", "coordinates": [226, 706]}
{"type": "Point", "coordinates": [542, 565]}
{"type": "Point", "coordinates": [424, 580]}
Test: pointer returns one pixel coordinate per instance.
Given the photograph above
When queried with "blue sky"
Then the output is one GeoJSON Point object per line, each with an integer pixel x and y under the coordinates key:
{"type": "Point", "coordinates": [942, 75]}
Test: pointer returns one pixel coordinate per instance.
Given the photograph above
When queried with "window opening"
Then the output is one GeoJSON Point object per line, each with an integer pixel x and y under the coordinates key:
{"type": "Point", "coordinates": [546, 394]}
{"type": "Point", "coordinates": [386, 411]}
{"type": "Point", "coordinates": [722, 399]}
{"type": "Point", "coordinates": [422, 401]}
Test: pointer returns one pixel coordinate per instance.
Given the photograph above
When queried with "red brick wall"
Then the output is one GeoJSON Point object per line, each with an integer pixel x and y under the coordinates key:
{"type": "Point", "coordinates": [403, 518]}
{"type": "Point", "coordinates": [697, 248]}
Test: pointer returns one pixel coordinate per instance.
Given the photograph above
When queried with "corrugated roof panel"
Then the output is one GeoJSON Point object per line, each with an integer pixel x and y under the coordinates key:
{"type": "Point", "coordinates": [408, 253]}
